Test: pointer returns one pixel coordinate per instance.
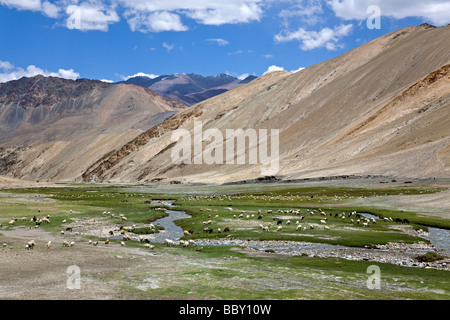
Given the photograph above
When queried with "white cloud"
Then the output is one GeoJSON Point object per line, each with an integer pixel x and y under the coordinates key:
{"type": "Point", "coordinates": [90, 16]}
{"type": "Point", "coordinates": [309, 40]}
{"type": "Point", "coordinates": [106, 81]}
{"type": "Point", "coordinates": [169, 47]}
{"type": "Point", "coordinates": [34, 5]}
{"type": "Point", "coordinates": [229, 12]}
{"type": "Point", "coordinates": [434, 11]}
{"type": "Point", "coordinates": [50, 10]}
{"type": "Point", "coordinates": [154, 22]}
{"type": "Point", "coordinates": [5, 65]}
{"type": "Point", "coordinates": [46, 7]}
{"type": "Point", "coordinates": [209, 12]}
{"type": "Point", "coordinates": [220, 42]}
{"type": "Point", "coordinates": [140, 74]}
{"type": "Point", "coordinates": [297, 70]}
{"type": "Point", "coordinates": [15, 73]}
{"type": "Point", "coordinates": [273, 68]}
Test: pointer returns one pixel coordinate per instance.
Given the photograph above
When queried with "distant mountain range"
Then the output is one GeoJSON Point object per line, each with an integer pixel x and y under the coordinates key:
{"type": "Point", "coordinates": [189, 88]}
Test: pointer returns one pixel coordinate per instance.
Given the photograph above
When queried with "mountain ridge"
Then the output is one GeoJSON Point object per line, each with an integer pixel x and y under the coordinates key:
{"type": "Point", "coordinates": [189, 88]}
{"type": "Point", "coordinates": [319, 104]}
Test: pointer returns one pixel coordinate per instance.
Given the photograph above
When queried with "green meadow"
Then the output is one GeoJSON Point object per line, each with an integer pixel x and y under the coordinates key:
{"type": "Point", "coordinates": [241, 212]}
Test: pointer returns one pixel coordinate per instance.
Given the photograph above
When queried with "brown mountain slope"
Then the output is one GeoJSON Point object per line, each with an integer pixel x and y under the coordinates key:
{"type": "Point", "coordinates": [380, 109]}
{"type": "Point", "coordinates": [52, 129]}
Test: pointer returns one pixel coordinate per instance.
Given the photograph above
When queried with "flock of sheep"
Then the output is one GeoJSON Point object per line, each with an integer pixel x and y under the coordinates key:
{"type": "Point", "coordinates": [276, 222]}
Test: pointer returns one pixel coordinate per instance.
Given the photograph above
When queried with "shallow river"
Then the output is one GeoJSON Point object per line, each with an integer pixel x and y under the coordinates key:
{"type": "Point", "coordinates": [440, 238]}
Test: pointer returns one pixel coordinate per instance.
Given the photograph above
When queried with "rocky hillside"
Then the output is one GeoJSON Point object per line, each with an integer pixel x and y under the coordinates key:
{"type": "Point", "coordinates": [53, 128]}
{"type": "Point", "coordinates": [380, 109]}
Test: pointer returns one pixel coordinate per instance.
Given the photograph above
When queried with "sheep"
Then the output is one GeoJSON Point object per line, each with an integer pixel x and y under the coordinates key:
{"type": "Point", "coordinates": [72, 244]}
{"type": "Point", "coordinates": [169, 242]}
{"type": "Point", "coordinates": [299, 227]}
{"type": "Point", "coordinates": [326, 228]}
{"type": "Point", "coordinates": [126, 237]}
{"type": "Point", "coordinates": [49, 244]}
{"type": "Point", "coordinates": [148, 246]}
{"type": "Point", "coordinates": [66, 243]}
{"type": "Point", "coordinates": [280, 228]}
{"type": "Point", "coordinates": [90, 242]}
{"type": "Point", "coordinates": [4, 245]}
{"type": "Point", "coordinates": [107, 241]}
{"type": "Point", "coordinates": [288, 222]}
{"type": "Point", "coordinates": [323, 222]}
{"type": "Point", "coordinates": [30, 244]}
{"type": "Point", "coordinates": [95, 243]}
{"type": "Point", "coordinates": [12, 222]}
{"type": "Point", "coordinates": [227, 229]}
{"type": "Point", "coordinates": [265, 229]}
{"type": "Point", "coordinates": [122, 243]}
{"type": "Point", "coordinates": [192, 242]}
{"type": "Point", "coordinates": [186, 233]}
{"type": "Point", "coordinates": [152, 226]}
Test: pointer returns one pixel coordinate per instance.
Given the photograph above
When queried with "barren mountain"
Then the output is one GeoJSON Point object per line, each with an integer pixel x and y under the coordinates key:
{"type": "Point", "coordinates": [189, 88]}
{"type": "Point", "coordinates": [52, 128]}
{"type": "Point", "coordinates": [380, 109]}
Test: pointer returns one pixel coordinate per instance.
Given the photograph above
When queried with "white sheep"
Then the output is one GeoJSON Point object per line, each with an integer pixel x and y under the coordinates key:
{"type": "Point", "coordinates": [280, 228]}
{"type": "Point", "coordinates": [169, 242]}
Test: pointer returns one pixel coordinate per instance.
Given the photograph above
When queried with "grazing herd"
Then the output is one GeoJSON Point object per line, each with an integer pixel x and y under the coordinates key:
{"type": "Point", "coordinates": [278, 224]}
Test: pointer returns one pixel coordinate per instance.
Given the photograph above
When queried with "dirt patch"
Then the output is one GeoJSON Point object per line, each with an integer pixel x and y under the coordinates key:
{"type": "Point", "coordinates": [42, 273]}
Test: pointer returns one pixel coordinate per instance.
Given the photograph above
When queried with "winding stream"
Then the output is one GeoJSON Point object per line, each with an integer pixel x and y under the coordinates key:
{"type": "Point", "coordinates": [440, 238]}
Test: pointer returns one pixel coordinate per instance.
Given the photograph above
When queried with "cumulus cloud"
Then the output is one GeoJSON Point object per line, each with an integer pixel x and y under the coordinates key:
{"type": "Point", "coordinates": [11, 72]}
{"type": "Point", "coordinates": [144, 15]}
{"type": "Point", "coordinates": [154, 22]}
{"type": "Point", "coordinates": [297, 70]}
{"type": "Point", "coordinates": [47, 8]}
{"type": "Point", "coordinates": [434, 11]}
{"type": "Point", "coordinates": [273, 68]}
{"type": "Point", "coordinates": [90, 16]}
{"type": "Point", "coordinates": [310, 40]}
{"type": "Point", "coordinates": [34, 5]}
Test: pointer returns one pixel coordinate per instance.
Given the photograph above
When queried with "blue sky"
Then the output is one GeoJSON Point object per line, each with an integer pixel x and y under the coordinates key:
{"type": "Point", "coordinates": [115, 39]}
